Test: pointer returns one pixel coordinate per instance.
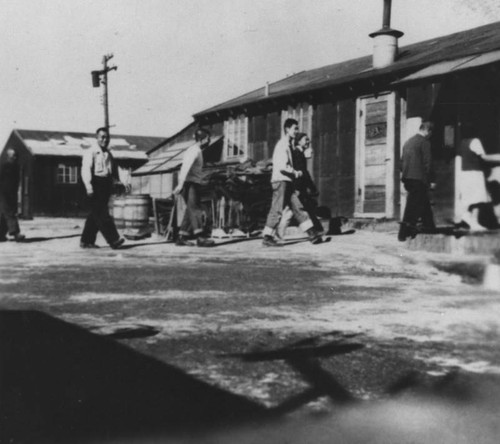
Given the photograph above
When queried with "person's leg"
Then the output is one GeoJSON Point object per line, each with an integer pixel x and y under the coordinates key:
{"type": "Point", "coordinates": [286, 217]}
{"type": "Point", "coordinates": [426, 208]}
{"type": "Point", "coordinates": [411, 213]}
{"type": "Point", "coordinates": [8, 208]}
{"type": "Point", "coordinates": [196, 217]}
{"type": "Point", "coordinates": [471, 217]}
{"type": "Point", "coordinates": [275, 212]}
{"type": "Point", "coordinates": [194, 210]}
{"type": "Point", "coordinates": [310, 206]}
{"type": "Point", "coordinates": [100, 209]}
{"type": "Point", "coordinates": [89, 233]}
{"type": "Point", "coordinates": [493, 187]}
{"type": "Point", "coordinates": [3, 227]}
{"type": "Point", "coordinates": [301, 216]}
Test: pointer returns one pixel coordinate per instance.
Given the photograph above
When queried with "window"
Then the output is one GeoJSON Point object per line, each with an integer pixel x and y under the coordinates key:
{"type": "Point", "coordinates": [302, 113]}
{"type": "Point", "coordinates": [67, 173]}
{"type": "Point", "coordinates": [236, 137]}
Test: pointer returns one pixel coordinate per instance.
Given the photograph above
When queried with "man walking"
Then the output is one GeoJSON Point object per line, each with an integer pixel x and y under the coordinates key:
{"type": "Point", "coordinates": [99, 175]}
{"type": "Point", "coordinates": [9, 184]}
{"type": "Point", "coordinates": [190, 180]}
{"type": "Point", "coordinates": [284, 191]}
{"type": "Point", "coordinates": [417, 176]}
{"type": "Point", "coordinates": [305, 186]}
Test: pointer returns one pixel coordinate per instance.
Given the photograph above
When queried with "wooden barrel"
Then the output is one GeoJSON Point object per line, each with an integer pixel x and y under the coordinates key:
{"type": "Point", "coordinates": [136, 210]}
{"type": "Point", "coordinates": [116, 207]}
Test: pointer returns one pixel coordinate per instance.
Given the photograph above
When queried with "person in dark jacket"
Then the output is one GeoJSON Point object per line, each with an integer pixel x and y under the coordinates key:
{"type": "Point", "coordinates": [417, 177]}
{"type": "Point", "coordinates": [9, 185]}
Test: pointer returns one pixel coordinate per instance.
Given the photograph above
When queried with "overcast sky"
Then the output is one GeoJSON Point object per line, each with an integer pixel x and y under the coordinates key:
{"type": "Point", "coordinates": [178, 57]}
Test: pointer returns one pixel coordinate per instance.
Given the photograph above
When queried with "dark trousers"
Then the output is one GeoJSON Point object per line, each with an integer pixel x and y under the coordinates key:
{"type": "Point", "coordinates": [193, 216]}
{"type": "Point", "coordinates": [8, 217]}
{"type": "Point", "coordinates": [418, 206]}
{"type": "Point", "coordinates": [99, 218]}
{"type": "Point", "coordinates": [310, 205]}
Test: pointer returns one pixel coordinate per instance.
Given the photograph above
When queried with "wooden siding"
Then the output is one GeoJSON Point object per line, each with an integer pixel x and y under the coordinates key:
{"type": "Point", "coordinates": [52, 198]}
{"type": "Point", "coordinates": [334, 155]}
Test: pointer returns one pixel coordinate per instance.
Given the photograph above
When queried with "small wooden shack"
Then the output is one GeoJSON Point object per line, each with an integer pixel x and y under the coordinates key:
{"type": "Point", "coordinates": [50, 164]}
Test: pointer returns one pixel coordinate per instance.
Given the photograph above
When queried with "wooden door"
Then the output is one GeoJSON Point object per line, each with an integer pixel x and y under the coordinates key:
{"type": "Point", "coordinates": [375, 156]}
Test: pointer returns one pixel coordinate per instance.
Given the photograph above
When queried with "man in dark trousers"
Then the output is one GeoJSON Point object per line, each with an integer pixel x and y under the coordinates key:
{"type": "Point", "coordinates": [190, 182]}
{"type": "Point", "coordinates": [99, 175]}
{"type": "Point", "coordinates": [9, 184]}
{"type": "Point", "coordinates": [417, 177]}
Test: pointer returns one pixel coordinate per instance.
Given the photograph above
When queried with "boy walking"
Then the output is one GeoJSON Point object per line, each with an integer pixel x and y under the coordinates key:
{"type": "Point", "coordinates": [284, 191]}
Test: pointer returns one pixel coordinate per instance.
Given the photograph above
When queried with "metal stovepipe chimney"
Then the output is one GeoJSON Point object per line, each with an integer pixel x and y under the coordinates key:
{"type": "Point", "coordinates": [385, 40]}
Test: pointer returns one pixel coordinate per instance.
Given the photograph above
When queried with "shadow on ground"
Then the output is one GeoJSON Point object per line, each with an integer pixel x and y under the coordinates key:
{"type": "Point", "coordinates": [61, 383]}
{"type": "Point", "coordinates": [30, 240]}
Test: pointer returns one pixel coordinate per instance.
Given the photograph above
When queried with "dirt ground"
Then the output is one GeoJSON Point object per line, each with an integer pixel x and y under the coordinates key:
{"type": "Point", "coordinates": [220, 313]}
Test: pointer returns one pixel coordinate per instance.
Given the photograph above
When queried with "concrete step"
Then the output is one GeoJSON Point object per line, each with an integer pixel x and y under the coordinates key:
{"type": "Point", "coordinates": [480, 243]}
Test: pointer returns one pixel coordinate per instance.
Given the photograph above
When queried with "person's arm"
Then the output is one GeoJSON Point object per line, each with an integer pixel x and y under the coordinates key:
{"type": "Point", "coordinates": [427, 161]}
{"type": "Point", "coordinates": [281, 161]}
{"type": "Point", "coordinates": [187, 163]}
{"type": "Point", "coordinates": [477, 148]}
{"type": "Point", "coordinates": [86, 173]}
{"type": "Point", "coordinates": [491, 158]}
{"type": "Point", "coordinates": [114, 169]}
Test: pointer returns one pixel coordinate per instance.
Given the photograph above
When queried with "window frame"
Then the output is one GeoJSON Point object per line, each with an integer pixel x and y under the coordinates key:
{"type": "Point", "coordinates": [66, 174]}
{"type": "Point", "coordinates": [236, 134]}
{"type": "Point", "coordinates": [302, 112]}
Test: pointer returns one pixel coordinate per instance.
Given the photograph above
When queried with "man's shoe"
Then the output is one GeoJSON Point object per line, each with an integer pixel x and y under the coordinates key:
{"type": "Point", "coordinates": [183, 242]}
{"type": "Point", "coordinates": [314, 236]}
{"type": "Point", "coordinates": [85, 245]}
{"type": "Point", "coordinates": [317, 239]}
{"type": "Point", "coordinates": [204, 242]}
{"type": "Point", "coordinates": [3, 239]}
{"type": "Point", "coordinates": [269, 241]}
{"type": "Point", "coordinates": [19, 237]}
{"type": "Point", "coordinates": [118, 243]}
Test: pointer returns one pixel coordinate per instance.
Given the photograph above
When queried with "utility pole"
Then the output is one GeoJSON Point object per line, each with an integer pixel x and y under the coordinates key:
{"type": "Point", "coordinates": [101, 77]}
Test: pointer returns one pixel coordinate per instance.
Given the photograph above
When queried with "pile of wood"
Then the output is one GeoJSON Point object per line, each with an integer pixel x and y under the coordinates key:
{"type": "Point", "coordinates": [242, 195]}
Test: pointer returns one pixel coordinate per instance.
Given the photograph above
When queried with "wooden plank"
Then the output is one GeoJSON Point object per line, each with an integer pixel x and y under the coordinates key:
{"type": "Point", "coordinates": [375, 155]}
{"type": "Point", "coordinates": [273, 130]}
{"type": "Point", "coordinates": [376, 112]}
{"type": "Point", "coordinates": [328, 193]}
{"type": "Point", "coordinates": [346, 199]}
{"type": "Point", "coordinates": [327, 158]}
{"type": "Point", "coordinates": [377, 206]}
{"type": "Point", "coordinates": [375, 175]}
{"type": "Point", "coordinates": [374, 192]}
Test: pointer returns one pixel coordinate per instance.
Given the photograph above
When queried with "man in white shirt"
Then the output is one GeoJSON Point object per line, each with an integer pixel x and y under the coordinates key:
{"type": "Point", "coordinates": [190, 181]}
{"type": "Point", "coordinates": [99, 174]}
{"type": "Point", "coordinates": [284, 191]}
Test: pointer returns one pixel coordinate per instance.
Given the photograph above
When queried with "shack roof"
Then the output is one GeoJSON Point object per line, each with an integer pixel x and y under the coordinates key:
{"type": "Point", "coordinates": [479, 40]}
{"type": "Point", "coordinates": [71, 144]}
{"type": "Point", "coordinates": [169, 160]}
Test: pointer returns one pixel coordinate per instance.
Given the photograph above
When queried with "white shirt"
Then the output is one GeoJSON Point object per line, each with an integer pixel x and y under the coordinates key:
{"type": "Point", "coordinates": [192, 165]}
{"type": "Point", "coordinates": [282, 161]}
{"type": "Point", "coordinates": [95, 162]}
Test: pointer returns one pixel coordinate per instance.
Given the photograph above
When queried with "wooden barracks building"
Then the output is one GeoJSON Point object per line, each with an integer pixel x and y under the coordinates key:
{"type": "Point", "coordinates": [360, 112]}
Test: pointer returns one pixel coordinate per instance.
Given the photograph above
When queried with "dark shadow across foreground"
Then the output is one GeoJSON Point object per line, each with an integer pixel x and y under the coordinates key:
{"type": "Point", "coordinates": [61, 383]}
